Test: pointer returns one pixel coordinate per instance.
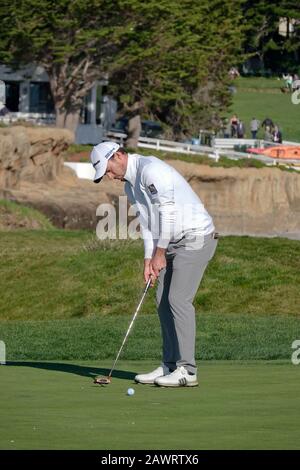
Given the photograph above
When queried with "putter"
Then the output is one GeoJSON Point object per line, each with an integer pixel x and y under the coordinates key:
{"type": "Point", "coordinates": [107, 380]}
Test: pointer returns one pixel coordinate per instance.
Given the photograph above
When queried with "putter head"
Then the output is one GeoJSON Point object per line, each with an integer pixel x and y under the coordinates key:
{"type": "Point", "coordinates": [102, 380]}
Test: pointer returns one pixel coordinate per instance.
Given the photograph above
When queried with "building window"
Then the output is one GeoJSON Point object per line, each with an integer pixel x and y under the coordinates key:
{"type": "Point", "coordinates": [40, 100]}
{"type": "Point", "coordinates": [12, 96]}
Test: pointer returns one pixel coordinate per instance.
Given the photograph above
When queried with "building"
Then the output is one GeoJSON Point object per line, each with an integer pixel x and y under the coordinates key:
{"type": "Point", "coordinates": [287, 26]}
{"type": "Point", "coordinates": [28, 97]}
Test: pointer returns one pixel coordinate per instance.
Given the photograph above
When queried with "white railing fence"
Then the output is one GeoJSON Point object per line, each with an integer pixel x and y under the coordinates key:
{"type": "Point", "coordinates": [220, 147]}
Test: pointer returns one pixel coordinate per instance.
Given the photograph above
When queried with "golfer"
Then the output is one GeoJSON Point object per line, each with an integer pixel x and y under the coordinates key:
{"type": "Point", "coordinates": [179, 241]}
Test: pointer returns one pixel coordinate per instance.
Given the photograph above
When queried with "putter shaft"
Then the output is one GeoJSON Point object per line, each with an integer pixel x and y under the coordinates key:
{"type": "Point", "coordinates": [130, 326]}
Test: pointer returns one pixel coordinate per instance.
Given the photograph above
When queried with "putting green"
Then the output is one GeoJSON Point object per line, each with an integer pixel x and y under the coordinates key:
{"type": "Point", "coordinates": [238, 405]}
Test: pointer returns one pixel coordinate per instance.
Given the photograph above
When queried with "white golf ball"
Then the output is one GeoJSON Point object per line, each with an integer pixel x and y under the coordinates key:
{"type": "Point", "coordinates": [130, 391]}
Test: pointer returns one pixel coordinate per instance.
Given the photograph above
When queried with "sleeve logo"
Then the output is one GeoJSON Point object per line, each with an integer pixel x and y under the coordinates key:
{"type": "Point", "coordinates": [152, 189]}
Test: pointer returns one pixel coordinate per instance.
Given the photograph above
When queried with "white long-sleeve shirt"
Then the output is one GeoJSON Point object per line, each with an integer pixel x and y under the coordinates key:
{"type": "Point", "coordinates": [167, 205]}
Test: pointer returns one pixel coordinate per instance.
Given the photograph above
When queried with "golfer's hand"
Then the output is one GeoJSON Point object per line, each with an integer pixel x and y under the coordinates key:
{"type": "Point", "coordinates": [148, 272]}
{"type": "Point", "coordinates": [158, 262]}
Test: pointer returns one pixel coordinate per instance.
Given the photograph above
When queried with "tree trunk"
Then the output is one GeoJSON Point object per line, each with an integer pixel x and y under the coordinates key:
{"type": "Point", "coordinates": [72, 120]}
{"type": "Point", "coordinates": [60, 117]}
{"type": "Point", "coordinates": [67, 120]}
{"type": "Point", "coordinates": [69, 85]}
{"type": "Point", "coordinates": [134, 131]}
{"type": "Point", "coordinates": [66, 116]}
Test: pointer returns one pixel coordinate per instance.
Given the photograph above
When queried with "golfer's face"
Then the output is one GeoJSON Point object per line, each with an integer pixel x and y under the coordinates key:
{"type": "Point", "coordinates": [116, 168]}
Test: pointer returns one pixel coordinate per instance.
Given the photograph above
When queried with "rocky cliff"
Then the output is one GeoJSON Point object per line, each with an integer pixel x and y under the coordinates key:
{"type": "Point", "coordinates": [31, 154]}
{"type": "Point", "coordinates": [248, 201]}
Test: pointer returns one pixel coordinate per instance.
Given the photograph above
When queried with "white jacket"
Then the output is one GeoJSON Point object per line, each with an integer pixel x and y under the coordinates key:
{"type": "Point", "coordinates": [168, 207]}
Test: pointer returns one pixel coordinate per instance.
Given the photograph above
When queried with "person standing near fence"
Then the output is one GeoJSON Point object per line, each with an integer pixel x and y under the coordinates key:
{"type": "Point", "coordinates": [234, 123]}
{"type": "Point", "coordinates": [268, 124]}
{"type": "Point", "coordinates": [240, 129]}
{"type": "Point", "coordinates": [254, 126]}
{"type": "Point", "coordinates": [277, 135]}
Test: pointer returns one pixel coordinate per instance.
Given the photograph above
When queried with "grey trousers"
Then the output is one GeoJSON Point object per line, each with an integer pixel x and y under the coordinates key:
{"type": "Point", "coordinates": [176, 289]}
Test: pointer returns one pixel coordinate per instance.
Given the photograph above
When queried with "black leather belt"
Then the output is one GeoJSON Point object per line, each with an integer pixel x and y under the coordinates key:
{"type": "Point", "coordinates": [214, 235]}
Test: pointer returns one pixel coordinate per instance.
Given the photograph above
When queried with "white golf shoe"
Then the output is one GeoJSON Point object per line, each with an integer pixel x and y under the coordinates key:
{"type": "Point", "coordinates": [150, 378]}
{"type": "Point", "coordinates": [179, 378]}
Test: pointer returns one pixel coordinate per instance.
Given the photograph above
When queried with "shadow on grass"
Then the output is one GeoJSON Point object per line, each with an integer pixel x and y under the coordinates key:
{"type": "Point", "coordinates": [84, 371]}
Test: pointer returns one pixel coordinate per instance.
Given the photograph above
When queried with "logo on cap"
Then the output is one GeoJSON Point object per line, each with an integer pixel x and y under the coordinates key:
{"type": "Point", "coordinates": [95, 164]}
{"type": "Point", "coordinates": [109, 154]}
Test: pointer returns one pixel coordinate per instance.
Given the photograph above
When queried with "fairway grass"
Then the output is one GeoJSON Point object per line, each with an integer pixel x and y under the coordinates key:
{"type": "Point", "coordinates": [238, 405]}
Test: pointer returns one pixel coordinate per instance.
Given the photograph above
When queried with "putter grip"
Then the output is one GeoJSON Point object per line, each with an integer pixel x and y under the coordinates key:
{"type": "Point", "coordinates": [147, 285]}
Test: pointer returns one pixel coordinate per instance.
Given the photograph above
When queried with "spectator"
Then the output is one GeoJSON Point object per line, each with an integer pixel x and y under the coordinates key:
{"type": "Point", "coordinates": [268, 136]}
{"type": "Point", "coordinates": [233, 123]}
{"type": "Point", "coordinates": [234, 73]}
{"type": "Point", "coordinates": [227, 129]}
{"type": "Point", "coordinates": [254, 126]}
{"type": "Point", "coordinates": [288, 81]}
{"type": "Point", "coordinates": [268, 124]}
{"type": "Point", "coordinates": [277, 135]}
{"type": "Point", "coordinates": [240, 130]}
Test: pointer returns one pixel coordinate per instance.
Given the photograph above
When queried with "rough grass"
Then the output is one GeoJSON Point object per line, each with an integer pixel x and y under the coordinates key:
{"type": "Point", "coordinates": [64, 274]}
{"type": "Point", "coordinates": [223, 162]}
{"type": "Point", "coordinates": [16, 216]}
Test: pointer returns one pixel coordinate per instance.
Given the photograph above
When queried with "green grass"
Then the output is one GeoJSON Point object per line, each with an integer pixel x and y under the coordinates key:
{"type": "Point", "coordinates": [64, 274]}
{"type": "Point", "coordinates": [22, 216]}
{"type": "Point", "coordinates": [259, 83]}
{"type": "Point", "coordinates": [67, 297]}
{"type": "Point", "coordinates": [247, 405]}
{"type": "Point", "coordinates": [219, 336]}
{"type": "Point", "coordinates": [261, 98]}
{"type": "Point", "coordinates": [223, 162]}
{"type": "Point", "coordinates": [77, 148]}
{"type": "Point", "coordinates": [64, 292]}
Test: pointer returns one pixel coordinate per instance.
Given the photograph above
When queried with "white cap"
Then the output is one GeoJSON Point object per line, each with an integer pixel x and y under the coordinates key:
{"type": "Point", "coordinates": [100, 155]}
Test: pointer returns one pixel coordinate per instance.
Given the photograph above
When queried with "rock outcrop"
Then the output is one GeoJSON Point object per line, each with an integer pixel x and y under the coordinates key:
{"type": "Point", "coordinates": [31, 154]}
{"type": "Point", "coordinates": [248, 201]}
{"type": "Point", "coordinates": [68, 202]}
